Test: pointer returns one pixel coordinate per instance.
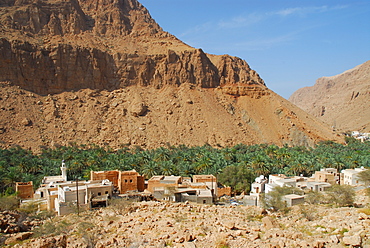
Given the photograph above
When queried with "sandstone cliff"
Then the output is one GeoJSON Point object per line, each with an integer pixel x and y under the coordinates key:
{"type": "Point", "coordinates": [104, 72]}
{"type": "Point", "coordinates": [342, 101]}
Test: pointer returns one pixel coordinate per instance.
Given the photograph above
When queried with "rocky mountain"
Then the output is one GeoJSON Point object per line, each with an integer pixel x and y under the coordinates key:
{"type": "Point", "coordinates": [342, 101]}
{"type": "Point", "coordinates": [104, 72]}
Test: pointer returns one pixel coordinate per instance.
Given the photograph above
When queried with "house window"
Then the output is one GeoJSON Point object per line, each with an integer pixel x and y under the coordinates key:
{"type": "Point", "coordinates": [125, 180]}
{"type": "Point", "coordinates": [99, 193]}
{"type": "Point", "coordinates": [106, 192]}
{"type": "Point", "coordinates": [204, 201]}
{"type": "Point", "coordinates": [130, 180]}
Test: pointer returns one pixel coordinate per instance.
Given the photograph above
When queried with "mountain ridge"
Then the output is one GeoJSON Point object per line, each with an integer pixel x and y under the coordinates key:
{"type": "Point", "coordinates": [342, 101]}
{"type": "Point", "coordinates": [104, 72]}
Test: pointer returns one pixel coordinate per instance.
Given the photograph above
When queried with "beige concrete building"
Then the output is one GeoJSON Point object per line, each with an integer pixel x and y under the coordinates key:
{"type": "Point", "coordinates": [327, 175]}
{"type": "Point", "coordinates": [161, 182]}
{"type": "Point", "coordinates": [293, 199]}
{"type": "Point", "coordinates": [202, 189]}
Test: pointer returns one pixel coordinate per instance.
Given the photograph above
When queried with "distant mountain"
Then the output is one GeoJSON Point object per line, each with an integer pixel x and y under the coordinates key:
{"type": "Point", "coordinates": [342, 101]}
{"type": "Point", "coordinates": [104, 72]}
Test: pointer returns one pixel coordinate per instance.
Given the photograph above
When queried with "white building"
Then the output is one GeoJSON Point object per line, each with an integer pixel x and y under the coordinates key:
{"type": "Point", "coordinates": [87, 194]}
{"type": "Point", "coordinates": [280, 180]}
{"type": "Point", "coordinates": [350, 176]}
{"type": "Point", "coordinates": [57, 194]}
{"type": "Point", "coordinates": [258, 186]}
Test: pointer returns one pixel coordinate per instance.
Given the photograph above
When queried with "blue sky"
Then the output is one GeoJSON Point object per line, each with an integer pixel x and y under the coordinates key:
{"type": "Point", "coordinates": [290, 43]}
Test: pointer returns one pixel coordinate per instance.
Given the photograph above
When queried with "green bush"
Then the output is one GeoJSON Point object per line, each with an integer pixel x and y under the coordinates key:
{"type": "Point", "coordinates": [274, 199]}
{"type": "Point", "coordinates": [340, 195]}
{"type": "Point", "coordinates": [314, 197]}
{"type": "Point", "coordinates": [121, 205]}
{"type": "Point", "coordinates": [239, 178]}
{"type": "Point", "coordinates": [9, 203]}
{"type": "Point", "coordinates": [364, 176]}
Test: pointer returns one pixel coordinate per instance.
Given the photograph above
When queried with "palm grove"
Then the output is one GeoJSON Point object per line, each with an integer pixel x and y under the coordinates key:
{"type": "Point", "coordinates": [236, 166]}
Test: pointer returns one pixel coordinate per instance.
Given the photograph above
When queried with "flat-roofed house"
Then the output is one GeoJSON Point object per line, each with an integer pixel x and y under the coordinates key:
{"type": "Point", "coordinates": [87, 194]}
{"type": "Point", "coordinates": [350, 176]}
{"type": "Point", "coordinates": [318, 186]}
{"type": "Point", "coordinates": [327, 175]}
{"type": "Point", "coordinates": [161, 182]}
{"type": "Point", "coordinates": [293, 199]}
{"type": "Point", "coordinates": [123, 181]}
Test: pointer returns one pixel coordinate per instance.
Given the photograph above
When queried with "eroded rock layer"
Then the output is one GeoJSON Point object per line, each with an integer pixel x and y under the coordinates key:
{"type": "Point", "coordinates": [342, 101]}
{"type": "Point", "coordinates": [104, 72]}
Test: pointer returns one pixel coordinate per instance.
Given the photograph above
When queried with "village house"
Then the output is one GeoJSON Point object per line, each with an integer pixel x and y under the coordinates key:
{"type": "Point", "coordinates": [24, 190]}
{"type": "Point", "coordinates": [58, 194]}
{"type": "Point", "coordinates": [317, 186]}
{"type": "Point", "coordinates": [123, 181]}
{"type": "Point", "coordinates": [209, 180]}
{"type": "Point", "coordinates": [159, 183]}
{"type": "Point", "coordinates": [87, 194]}
{"type": "Point", "coordinates": [203, 196]}
{"type": "Point", "coordinates": [360, 136]}
{"type": "Point", "coordinates": [280, 180]}
{"type": "Point", "coordinates": [327, 175]}
{"type": "Point", "coordinates": [293, 199]}
{"type": "Point", "coordinates": [320, 181]}
{"type": "Point", "coordinates": [202, 189]}
{"type": "Point", "coordinates": [350, 176]}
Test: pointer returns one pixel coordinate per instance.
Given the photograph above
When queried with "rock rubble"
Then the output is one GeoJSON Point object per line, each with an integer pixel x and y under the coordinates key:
{"type": "Point", "coordinates": [160, 224]}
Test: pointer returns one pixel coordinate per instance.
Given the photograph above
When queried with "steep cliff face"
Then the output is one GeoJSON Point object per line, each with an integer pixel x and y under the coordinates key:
{"type": "Point", "coordinates": [342, 101]}
{"type": "Point", "coordinates": [48, 54]}
{"type": "Point", "coordinates": [115, 77]}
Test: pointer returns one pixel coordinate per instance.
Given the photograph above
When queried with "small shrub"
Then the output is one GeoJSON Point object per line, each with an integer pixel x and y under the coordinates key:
{"type": "Point", "coordinates": [309, 212]}
{"type": "Point", "coordinates": [121, 205]}
{"type": "Point", "coordinates": [314, 197]}
{"type": "Point", "coordinates": [88, 233]}
{"type": "Point", "coordinates": [222, 243]}
{"type": "Point", "coordinates": [365, 211]}
{"type": "Point", "coordinates": [341, 195]}
{"type": "Point", "coordinates": [344, 230]}
{"type": "Point", "coordinates": [9, 203]}
{"type": "Point", "coordinates": [52, 227]}
{"type": "Point", "coordinates": [273, 200]}
{"type": "Point", "coordinates": [29, 208]}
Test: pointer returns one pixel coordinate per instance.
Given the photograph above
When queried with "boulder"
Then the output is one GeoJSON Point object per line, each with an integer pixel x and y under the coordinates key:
{"type": "Point", "coordinates": [354, 240]}
{"type": "Point", "coordinates": [269, 223]}
{"type": "Point", "coordinates": [18, 237]}
{"type": "Point", "coordinates": [138, 109]}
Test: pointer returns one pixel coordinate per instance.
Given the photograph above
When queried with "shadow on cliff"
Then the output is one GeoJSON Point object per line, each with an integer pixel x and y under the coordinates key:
{"type": "Point", "coordinates": [62, 68]}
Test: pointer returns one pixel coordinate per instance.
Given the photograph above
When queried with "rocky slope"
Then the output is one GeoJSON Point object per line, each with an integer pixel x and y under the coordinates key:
{"type": "Point", "coordinates": [104, 72]}
{"type": "Point", "coordinates": [342, 101]}
{"type": "Point", "coordinates": [160, 224]}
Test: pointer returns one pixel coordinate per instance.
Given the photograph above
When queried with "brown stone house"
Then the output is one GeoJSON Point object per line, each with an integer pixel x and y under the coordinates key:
{"type": "Point", "coordinates": [24, 190]}
{"type": "Point", "coordinates": [123, 181]}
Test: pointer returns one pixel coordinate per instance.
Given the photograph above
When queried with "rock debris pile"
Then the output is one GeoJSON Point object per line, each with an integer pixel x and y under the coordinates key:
{"type": "Point", "coordinates": [159, 224]}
